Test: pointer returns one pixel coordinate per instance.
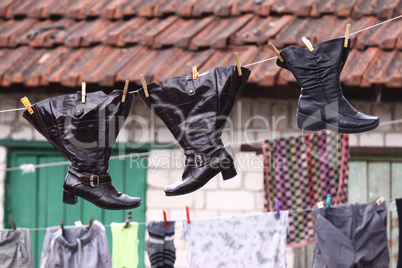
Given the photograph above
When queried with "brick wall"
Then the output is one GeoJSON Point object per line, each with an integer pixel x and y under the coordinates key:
{"type": "Point", "coordinates": [251, 120]}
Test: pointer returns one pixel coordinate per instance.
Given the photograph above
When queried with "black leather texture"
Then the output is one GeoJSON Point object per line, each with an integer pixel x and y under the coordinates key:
{"type": "Point", "coordinates": [196, 111]}
{"type": "Point", "coordinates": [321, 103]}
{"type": "Point", "coordinates": [85, 134]}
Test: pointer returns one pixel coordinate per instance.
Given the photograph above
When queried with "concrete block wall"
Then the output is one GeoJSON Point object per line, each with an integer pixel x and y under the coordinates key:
{"type": "Point", "coordinates": [251, 120]}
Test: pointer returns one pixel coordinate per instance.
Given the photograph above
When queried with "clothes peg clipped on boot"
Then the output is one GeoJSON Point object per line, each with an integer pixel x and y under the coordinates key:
{"type": "Point", "coordinates": [83, 91]}
{"type": "Point", "coordinates": [27, 105]}
{"type": "Point", "coordinates": [345, 44]}
{"type": "Point", "coordinates": [276, 51]}
{"type": "Point", "coordinates": [308, 43]}
{"type": "Point", "coordinates": [123, 98]}
{"type": "Point", "coordinates": [195, 73]}
{"type": "Point", "coordinates": [238, 64]}
{"type": "Point", "coordinates": [144, 85]}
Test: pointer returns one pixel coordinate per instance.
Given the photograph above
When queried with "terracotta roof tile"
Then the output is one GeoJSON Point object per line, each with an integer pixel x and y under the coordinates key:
{"type": "Point", "coordinates": [386, 38]}
{"type": "Point", "coordinates": [357, 64]}
{"type": "Point", "coordinates": [379, 70]}
{"type": "Point", "coordinates": [102, 39]}
{"type": "Point", "coordinates": [258, 30]}
{"type": "Point", "coordinates": [180, 32]}
{"type": "Point", "coordinates": [226, 57]}
{"type": "Point", "coordinates": [4, 5]}
{"type": "Point", "coordinates": [264, 74]}
{"type": "Point", "coordinates": [217, 33]}
{"type": "Point", "coordinates": [182, 62]}
{"type": "Point", "coordinates": [8, 61]}
{"type": "Point", "coordinates": [59, 66]}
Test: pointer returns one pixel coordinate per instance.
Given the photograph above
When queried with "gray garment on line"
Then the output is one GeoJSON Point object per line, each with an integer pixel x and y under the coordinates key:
{"type": "Point", "coordinates": [351, 236]}
{"type": "Point", "coordinates": [16, 248]}
{"type": "Point", "coordinates": [80, 247]}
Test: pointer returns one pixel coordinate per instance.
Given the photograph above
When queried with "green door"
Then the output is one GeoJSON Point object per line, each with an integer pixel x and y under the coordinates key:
{"type": "Point", "coordinates": [34, 200]}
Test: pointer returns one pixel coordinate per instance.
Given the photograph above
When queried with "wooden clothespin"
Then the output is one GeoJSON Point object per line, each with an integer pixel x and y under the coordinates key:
{"type": "Point", "coordinates": [195, 73]}
{"type": "Point", "coordinates": [308, 43]}
{"type": "Point", "coordinates": [328, 202]}
{"type": "Point", "coordinates": [14, 226]}
{"type": "Point", "coordinates": [320, 204]}
{"type": "Point", "coordinates": [164, 219]}
{"type": "Point", "coordinates": [238, 64]}
{"type": "Point", "coordinates": [128, 219]}
{"type": "Point", "coordinates": [62, 226]}
{"type": "Point", "coordinates": [188, 215]}
{"type": "Point", "coordinates": [345, 44]}
{"type": "Point", "coordinates": [380, 200]}
{"type": "Point", "coordinates": [123, 98]}
{"type": "Point", "coordinates": [27, 105]}
{"type": "Point", "coordinates": [83, 91]}
{"type": "Point", "coordinates": [144, 85]}
{"type": "Point", "coordinates": [278, 214]}
{"type": "Point", "coordinates": [276, 51]}
{"type": "Point", "coordinates": [90, 222]}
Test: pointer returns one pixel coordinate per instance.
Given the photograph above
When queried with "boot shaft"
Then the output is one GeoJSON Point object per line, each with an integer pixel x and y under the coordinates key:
{"type": "Point", "coordinates": [196, 111]}
{"type": "Point", "coordinates": [317, 72]}
{"type": "Point", "coordinates": [84, 132]}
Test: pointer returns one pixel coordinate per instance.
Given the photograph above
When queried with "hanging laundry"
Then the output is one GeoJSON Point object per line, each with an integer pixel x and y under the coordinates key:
{"type": "Point", "coordinates": [85, 134]}
{"type": "Point", "coordinates": [351, 235]}
{"type": "Point", "coordinates": [299, 171]}
{"type": "Point", "coordinates": [16, 248]}
{"type": "Point", "coordinates": [125, 245]}
{"type": "Point", "coordinates": [321, 103]}
{"type": "Point", "coordinates": [236, 242]}
{"type": "Point", "coordinates": [78, 247]}
{"type": "Point", "coordinates": [196, 111]}
{"type": "Point", "coordinates": [398, 202]}
{"type": "Point", "coordinates": [160, 245]}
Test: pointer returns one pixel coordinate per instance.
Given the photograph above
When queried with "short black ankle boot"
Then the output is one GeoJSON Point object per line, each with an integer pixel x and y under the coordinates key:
{"type": "Point", "coordinates": [196, 111]}
{"type": "Point", "coordinates": [85, 134]}
{"type": "Point", "coordinates": [321, 103]}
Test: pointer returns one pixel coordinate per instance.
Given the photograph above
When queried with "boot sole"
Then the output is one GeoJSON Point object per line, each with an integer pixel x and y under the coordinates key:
{"type": "Point", "coordinates": [227, 173]}
{"type": "Point", "coordinates": [71, 199]}
{"type": "Point", "coordinates": [320, 125]}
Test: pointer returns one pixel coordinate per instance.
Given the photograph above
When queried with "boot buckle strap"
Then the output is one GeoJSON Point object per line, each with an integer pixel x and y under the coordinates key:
{"type": "Point", "coordinates": [94, 181]}
{"type": "Point", "coordinates": [198, 160]}
{"type": "Point", "coordinates": [201, 159]}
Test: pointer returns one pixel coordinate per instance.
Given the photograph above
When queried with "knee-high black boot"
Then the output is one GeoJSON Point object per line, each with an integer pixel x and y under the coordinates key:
{"type": "Point", "coordinates": [321, 103]}
{"type": "Point", "coordinates": [196, 111]}
{"type": "Point", "coordinates": [85, 134]}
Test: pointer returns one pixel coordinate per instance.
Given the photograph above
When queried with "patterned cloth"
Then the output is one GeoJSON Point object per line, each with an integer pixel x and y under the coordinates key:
{"type": "Point", "coordinates": [300, 171]}
{"type": "Point", "coordinates": [238, 241]}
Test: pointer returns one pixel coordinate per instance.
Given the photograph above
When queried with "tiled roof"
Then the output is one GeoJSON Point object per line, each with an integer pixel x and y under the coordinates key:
{"type": "Point", "coordinates": [46, 42]}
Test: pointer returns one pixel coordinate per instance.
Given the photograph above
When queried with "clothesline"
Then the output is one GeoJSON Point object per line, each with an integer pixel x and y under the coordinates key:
{"type": "Point", "coordinates": [145, 223]}
{"type": "Point", "coordinates": [265, 60]}
{"type": "Point", "coordinates": [32, 167]}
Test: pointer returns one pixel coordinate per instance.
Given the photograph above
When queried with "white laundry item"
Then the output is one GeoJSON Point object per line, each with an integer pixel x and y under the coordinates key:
{"type": "Point", "coordinates": [257, 240]}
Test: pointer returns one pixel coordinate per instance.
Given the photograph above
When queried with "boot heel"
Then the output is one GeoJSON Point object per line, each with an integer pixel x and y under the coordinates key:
{"type": "Point", "coordinates": [69, 198]}
{"type": "Point", "coordinates": [228, 172]}
{"type": "Point", "coordinates": [309, 123]}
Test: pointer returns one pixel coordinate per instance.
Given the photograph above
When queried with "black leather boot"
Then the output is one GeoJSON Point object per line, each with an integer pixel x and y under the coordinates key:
{"type": "Point", "coordinates": [196, 111]}
{"type": "Point", "coordinates": [85, 134]}
{"type": "Point", "coordinates": [321, 103]}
